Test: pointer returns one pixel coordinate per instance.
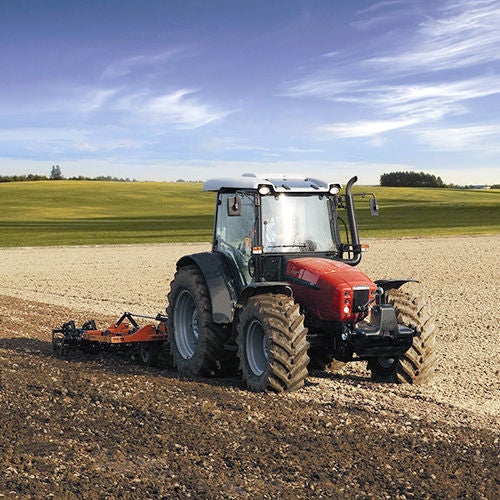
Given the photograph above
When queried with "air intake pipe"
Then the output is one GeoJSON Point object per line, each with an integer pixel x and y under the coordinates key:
{"type": "Point", "coordinates": [353, 226]}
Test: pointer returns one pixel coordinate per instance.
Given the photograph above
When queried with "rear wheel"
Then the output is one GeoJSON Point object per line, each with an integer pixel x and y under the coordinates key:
{"type": "Point", "coordinates": [272, 344]}
{"type": "Point", "coordinates": [417, 365]}
{"type": "Point", "coordinates": [197, 343]}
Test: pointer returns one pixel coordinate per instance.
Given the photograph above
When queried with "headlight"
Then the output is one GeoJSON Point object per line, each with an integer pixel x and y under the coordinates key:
{"type": "Point", "coordinates": [334, 188]}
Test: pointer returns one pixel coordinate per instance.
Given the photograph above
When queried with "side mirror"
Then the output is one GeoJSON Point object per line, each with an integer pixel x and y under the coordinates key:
{"type": "Point", "coordinates": [374, 207]}
{"type": "Point", "coordinates": [234, 206]}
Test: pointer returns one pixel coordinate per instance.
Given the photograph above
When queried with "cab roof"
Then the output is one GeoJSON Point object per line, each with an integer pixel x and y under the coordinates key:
{"type": "Point", "coordinates": [278, 183]}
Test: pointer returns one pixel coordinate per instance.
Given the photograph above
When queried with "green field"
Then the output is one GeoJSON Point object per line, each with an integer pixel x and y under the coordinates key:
{"type": "Point", "coordinates": [92, 212]}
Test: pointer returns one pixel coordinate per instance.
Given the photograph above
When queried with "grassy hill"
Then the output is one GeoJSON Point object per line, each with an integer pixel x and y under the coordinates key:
{"type": "Point", "coordinates": [92, 212]}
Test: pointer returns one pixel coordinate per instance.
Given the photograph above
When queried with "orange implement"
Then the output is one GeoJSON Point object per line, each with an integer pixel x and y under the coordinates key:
{"type": "Point", "coordinates": [122, 332]}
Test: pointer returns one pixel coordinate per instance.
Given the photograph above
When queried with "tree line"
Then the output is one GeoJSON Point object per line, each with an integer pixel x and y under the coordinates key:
{"type": "Point", "coordinates": [56, 175]}
{"type": "Point", "coordinates": [421, 179]}
{"type": "Point", "coordinates": [36, 177]}
{"type": "Point", "coordinates": [391, 179]}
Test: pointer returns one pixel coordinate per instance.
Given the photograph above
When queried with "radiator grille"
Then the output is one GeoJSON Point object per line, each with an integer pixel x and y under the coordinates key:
{"type": "Point", "coordinates": [360, 298]}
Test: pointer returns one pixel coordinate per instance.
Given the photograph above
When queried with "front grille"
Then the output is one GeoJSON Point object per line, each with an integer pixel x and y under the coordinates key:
{"type": "Point", "coordinates": [360, 298]}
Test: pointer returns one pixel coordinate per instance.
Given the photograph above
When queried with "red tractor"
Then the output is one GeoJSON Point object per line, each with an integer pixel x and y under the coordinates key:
{"type": "Point", "coordinates": [280, 292]}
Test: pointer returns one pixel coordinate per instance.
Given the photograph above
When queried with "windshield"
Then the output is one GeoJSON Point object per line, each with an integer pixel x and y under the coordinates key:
{"type": "Point", "coordinates": [294, 223]}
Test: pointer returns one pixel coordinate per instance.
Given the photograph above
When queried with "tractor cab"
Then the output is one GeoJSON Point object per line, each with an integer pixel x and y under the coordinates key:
{"type": "Point", "coordinates": [263, 223]}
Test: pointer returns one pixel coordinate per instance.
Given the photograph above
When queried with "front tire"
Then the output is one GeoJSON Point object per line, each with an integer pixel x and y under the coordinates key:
{"type": "Point", "coordinates": [196, 342]}
{"type": "Point", "coordinates": [417, 365]}
{"type": "Point", "coordinates": [272, 344]}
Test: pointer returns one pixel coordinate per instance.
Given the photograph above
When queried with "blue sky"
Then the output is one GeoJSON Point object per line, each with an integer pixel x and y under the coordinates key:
{"type": "Point", "coordinates": [161, 90]}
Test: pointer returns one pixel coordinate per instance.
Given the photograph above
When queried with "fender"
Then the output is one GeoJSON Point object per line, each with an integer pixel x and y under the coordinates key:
{"type": "Point", "coordinates": [221, 289]}
{"type": "Point", "coordinates": [393, 284]}
{"type": "Point", "coordinates": [264, 287]}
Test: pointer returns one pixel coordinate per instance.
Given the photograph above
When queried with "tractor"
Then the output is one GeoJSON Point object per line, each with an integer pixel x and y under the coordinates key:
{"type": "Point", "coordinates": [279, 294]}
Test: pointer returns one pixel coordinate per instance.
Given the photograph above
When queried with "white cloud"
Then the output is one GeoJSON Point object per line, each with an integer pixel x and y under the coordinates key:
{"type": "Point", "coordinates": [180, 109]}
{"type": "Point", "coordinates": [385, 99]}
{"type": "Point", "coordinates": [364, 128]}
{"type": "Point", "coordinates": [431, 101]}
{"type": "Point", "coordinates": [377, 6]}
{"type": "Point", "coordinates": [127, 65]}
{"type": "Point", "coordinates": [322, 87]}
{"type": "Point", "coordinates": [383, 13]}
{"type": "Point", "coordinates": [38, 134]}
{"type": "Point", "coordinates": [466, 34]}
{"type": "Point", "coordinates": [477, 137]}
{"type": "Point", "coordinates": [416, 102]}
{"type": "Point", "coordinates": [95, 99]}
{"type": "Point", "coordinates": [293, 149]}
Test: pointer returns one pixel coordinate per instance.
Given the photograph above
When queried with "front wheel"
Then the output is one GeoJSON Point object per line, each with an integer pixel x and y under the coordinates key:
{"type": "Point", "coordinates": [417, 365]}
{"type": "Point", "coordinates": [272, 344]}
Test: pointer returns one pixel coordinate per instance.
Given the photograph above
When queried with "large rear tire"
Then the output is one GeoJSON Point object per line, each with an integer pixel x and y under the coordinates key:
{"type": "Point", "coordinates": [196, 342]}
{"type": "Point", "coordinates": [417, 365]}
{"type": "Point", "coordinates": [272, 344]}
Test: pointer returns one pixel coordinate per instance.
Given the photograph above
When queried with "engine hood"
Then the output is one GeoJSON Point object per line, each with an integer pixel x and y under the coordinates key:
{"type": "Point", "coordinates": [331, 290]}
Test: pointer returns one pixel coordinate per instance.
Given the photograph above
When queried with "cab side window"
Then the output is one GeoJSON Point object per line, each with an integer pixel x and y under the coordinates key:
{"type": "Point", "coordinates": [235, 230]}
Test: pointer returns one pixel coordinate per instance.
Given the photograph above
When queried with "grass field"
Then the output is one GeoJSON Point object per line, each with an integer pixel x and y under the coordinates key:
{"type": "Point", "coordinates": [91, 212]}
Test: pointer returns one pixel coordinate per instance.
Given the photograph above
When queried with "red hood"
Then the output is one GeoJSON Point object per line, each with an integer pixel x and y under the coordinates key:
{"type": "Point", "coordinates": [327, 287]}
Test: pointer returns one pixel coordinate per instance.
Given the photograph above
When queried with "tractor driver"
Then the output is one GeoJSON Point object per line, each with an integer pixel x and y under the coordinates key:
{"type": "Point", "coordinates": [245, 249]}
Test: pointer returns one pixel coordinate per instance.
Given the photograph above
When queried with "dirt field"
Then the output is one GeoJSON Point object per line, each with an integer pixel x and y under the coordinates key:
{"type": "Point", "coordinates": [104, 427]}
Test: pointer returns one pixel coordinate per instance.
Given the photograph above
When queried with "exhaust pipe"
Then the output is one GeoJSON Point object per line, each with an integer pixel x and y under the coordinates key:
{"type": "Point", "coordinates": [353, 226]}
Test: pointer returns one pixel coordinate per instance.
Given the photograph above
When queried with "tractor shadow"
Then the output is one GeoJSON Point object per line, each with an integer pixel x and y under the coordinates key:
{"type": "Point", "coordinates": [23, 345]}
{"type": "Point", "coordinates": [345, 378]}
{"type": "Point", "coordinates": [111, 361]}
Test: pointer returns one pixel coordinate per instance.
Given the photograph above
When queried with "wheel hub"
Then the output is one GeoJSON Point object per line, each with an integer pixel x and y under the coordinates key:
{"type": "Point", "coordinates": [186, 324]}
{"type": "Point", "coordinates": [256, 348]}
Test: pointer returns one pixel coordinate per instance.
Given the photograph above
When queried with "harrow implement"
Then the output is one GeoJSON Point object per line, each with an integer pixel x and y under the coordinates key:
{"type": "Point", "coordinates": [126, 333]}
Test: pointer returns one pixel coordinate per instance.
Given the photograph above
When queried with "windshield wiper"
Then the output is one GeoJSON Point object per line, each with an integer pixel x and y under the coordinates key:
{"type": "Point", "coordinates": [297, 245]}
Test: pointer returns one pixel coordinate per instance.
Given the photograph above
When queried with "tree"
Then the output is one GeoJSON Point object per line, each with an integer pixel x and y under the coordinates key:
{"type": "Point", "coordinates": [411, 179]}
{"type": "Point", "coordinates": [55, 173]}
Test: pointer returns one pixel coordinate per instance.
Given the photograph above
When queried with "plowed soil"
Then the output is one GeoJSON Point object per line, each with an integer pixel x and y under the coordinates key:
{"type": "Point", "coordinates": [102, 426]}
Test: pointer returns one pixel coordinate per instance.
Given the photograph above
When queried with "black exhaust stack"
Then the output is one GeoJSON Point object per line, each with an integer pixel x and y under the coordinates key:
{"type": "Point", "coordinates": [353, 226]}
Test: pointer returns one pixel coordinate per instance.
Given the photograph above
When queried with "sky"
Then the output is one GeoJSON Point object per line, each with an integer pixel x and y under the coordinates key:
{"type": "Point", "coordinates": [192, 89]}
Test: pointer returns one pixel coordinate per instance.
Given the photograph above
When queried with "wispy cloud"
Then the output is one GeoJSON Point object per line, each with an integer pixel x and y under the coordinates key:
{"type": "Point", "coordinates": [38, 134]}
{"type": "Point", "coordinates": [322, 87]}
{"type": "Point", "coordinates": [432, 101]}
{"type": "Point", "coordinates": [181, 109]}
{"type": "Point", "coordinates": [462, 33]}
{"type": "Point", "coordinates": [238, 144]}
{"type": "Point", "coordinates": [398, 106]}
{"type": "Point", "coordinates": [364, 128]}
{"type": "Point", "coordinates": [95, 99]}
{"type": "Point", "coordinates": [127, 65]}
{"type": "Point", "coordinates": [465, 34]}
{"type": "Point", "coordinates": [93, 122]}
{"type": "Point", "coordinates": [383, 13]}
{"type": "Point", "coordinates": [144, 107]}
{"type": "Point", "coordinates": [477, 138]}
